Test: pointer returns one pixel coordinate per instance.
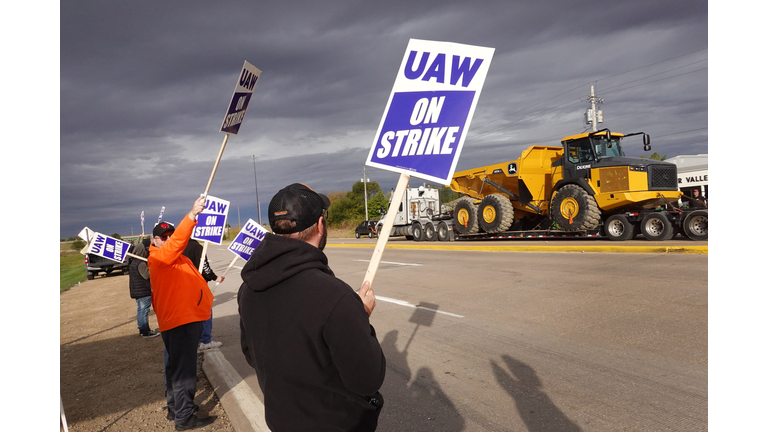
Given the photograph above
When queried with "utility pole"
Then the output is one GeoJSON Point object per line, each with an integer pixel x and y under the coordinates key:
{"type": "Point", "coordinates": [258, 204]}
{"type": "Point", "coordinates": [593, 115]}
{"type": "Point", "coordinates": [365, 192]}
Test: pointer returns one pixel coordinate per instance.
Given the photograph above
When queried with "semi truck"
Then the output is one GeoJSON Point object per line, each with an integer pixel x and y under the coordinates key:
{"type": "Point", "coordinates": [587, 187]}
{"type": "Point", "coordinates": [418, 209]}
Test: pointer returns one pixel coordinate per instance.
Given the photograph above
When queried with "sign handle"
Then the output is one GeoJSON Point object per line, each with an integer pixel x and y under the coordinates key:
{"type": "Point", "coordinates": [216, 165]}
{"type": "Point", "coordinates": [386, 229]}
{"type": "Point", "coordinates": [202, 258]}
{"type": "Point", "coordinates": [135, 256]}
{"type": "Point", "coordinates": [63, 417]}
{"type": "Point", "coordinates": [227, 270]}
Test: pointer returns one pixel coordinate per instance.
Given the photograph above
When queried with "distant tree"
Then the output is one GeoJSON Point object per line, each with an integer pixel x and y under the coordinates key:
{"type": "Point", "coordinates": [336, 196]}
{"type": "Point", "coordinates": [376, 202]}
{"type": "Point", "coordinates": [349, 207]}
{"type": "Point", "coordinates": [655, 156]}
{"type": "Point", "coordinates": [447, 195]}
{"type": "Point", "coordinates": [116, 235]}
{"type": "Point", "coordinates": [78, 244]}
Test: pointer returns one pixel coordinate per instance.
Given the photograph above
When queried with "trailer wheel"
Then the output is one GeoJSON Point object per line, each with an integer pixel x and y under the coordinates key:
{"type": "Point", "coordinates": [574, 209]}
{"type": "Point", "coordinates": [418, 232]}
{"type": "Point", "coordinates": [656, 227]}
{"type": "Point", "coordinates": [695, 225]}
{"type": "Point", "coordinates": [496, 213]}
{"type": "Point", "coordinates": [465, 216]}
{"type": "Point", "coordinates": [619, 228]}
{"type": "Point", "coordinates": [442, 232]}
{"type": "Point", "coordinates": [430, 234]}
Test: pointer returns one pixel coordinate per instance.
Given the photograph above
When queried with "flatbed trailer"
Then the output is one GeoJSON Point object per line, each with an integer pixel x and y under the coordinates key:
{"type": "Point", "coordinates": [665, 224]}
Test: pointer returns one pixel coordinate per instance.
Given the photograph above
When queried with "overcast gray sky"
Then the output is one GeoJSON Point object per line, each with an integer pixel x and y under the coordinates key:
{"type": "Point", "coordinates": [145, 86]}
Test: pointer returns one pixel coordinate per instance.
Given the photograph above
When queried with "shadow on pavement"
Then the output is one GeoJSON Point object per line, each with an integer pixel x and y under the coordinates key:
{"type": "Point", "coordinates": [414, 402]}
{"type": "Point", "coordinates": [536, 409]}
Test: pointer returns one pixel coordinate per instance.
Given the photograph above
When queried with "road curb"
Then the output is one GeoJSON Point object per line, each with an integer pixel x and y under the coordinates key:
{"type": "Point", "coordinates": [701, 250]}
{"type": "Point", "coordinates": [243, 407]}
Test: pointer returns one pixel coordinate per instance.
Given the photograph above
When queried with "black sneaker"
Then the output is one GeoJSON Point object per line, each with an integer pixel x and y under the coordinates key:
{"type": "Point", "coordinates": [172, 416]}
{"type": "Point", "coordinates": [150, 334]}
{"type": "Point", "coordinates": [195, 422]}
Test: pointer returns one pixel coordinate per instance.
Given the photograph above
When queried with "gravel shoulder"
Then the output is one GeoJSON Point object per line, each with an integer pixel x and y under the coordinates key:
{"type": "Point", "coordinates": [111, 379]}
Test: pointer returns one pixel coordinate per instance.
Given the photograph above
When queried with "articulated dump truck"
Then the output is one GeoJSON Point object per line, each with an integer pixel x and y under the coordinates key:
{"type": "Point", "coordinates": [587, 187]}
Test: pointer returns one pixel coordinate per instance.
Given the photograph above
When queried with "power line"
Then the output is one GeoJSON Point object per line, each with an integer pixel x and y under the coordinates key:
{"type": "Point", "coordinates": [678, 133]}
{"type": "Point", "coordinates": [649, 76]}
{"type": "Point", "coordinates": [573, 101]}
{"type": "Point", "coordinates": [652, 64]}
{"type": "Point", "coordinates": [661, 79]}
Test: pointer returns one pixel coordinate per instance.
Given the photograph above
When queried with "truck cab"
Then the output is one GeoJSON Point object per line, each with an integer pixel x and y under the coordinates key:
{"type": "Point", "coordinates": [597, 163]}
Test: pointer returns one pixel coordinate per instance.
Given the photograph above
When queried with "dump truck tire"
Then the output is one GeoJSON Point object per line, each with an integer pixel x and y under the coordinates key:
{"type": "Point", "coordinates": [619, 228]}
{"type": "Point", "coordinates": [695, 225]}
{"type": "Point", "coordinates": [574, 209]}
{"type": "Point", "coordinates": [495, 213]}
{"type": "Point", "coordinates": [656, 227]}
{"type": "Point", "coordinates": [465, 216]}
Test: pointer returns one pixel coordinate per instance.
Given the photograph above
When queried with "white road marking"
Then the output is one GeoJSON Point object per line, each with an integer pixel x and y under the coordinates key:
{"type": "Point", "coordinates": [395, 263]}
{"type": "Point", "coordinates": [410, 305]}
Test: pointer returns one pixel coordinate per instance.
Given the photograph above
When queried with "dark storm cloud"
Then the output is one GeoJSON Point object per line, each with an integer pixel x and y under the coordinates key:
{"type": "Point", "coordinates": [145, 85]}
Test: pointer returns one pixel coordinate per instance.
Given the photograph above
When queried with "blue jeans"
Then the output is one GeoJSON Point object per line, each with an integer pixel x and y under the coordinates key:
{"type": "Point", "coordinates": [205, 336]}
{"type": "Point", "coordinates": [142, 313]}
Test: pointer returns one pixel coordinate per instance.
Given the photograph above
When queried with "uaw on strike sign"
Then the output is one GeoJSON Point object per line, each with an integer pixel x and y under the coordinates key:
{"type": "Point", "coordinates": [430, 108]}
{"type": "Point", "coordinates": [240, 99]}
{"type": "Point", "coordinates": [108, 247]}
{"type": "Point", "coordinates": [212, 220]}
{"type": "Point", "coordinates": [247, 240]}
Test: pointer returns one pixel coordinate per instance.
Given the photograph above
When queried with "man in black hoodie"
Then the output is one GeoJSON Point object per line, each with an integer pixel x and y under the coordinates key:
{"type": "Point", "coordinates": [305, 332]}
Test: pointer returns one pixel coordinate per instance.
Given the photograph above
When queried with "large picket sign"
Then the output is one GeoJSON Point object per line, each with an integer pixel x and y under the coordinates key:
{"type": "Point", "coordinates": [429, 110]}
{"type": "Point", "coordinates": [108, 247]}
{"type": "Point", "coordinates": [426, 119]}
{"type": "Point", "coordinates": [212, 221]}
{"type": "Point", "coordinates": [247, 240]}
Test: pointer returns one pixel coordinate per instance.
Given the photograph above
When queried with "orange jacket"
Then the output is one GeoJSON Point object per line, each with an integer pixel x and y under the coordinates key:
{"type": "Point", "coordinates": [180, 295]}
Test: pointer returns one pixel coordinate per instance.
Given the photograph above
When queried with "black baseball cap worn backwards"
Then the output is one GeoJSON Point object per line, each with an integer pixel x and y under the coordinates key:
{"type": "Point", "coordinates": [298, 203]}
{"type": "Point", "coordinates": [162, 227]}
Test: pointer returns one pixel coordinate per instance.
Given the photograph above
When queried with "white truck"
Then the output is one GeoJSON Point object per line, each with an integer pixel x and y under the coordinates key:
{"type": "Point", "coordinates": [415, 218]}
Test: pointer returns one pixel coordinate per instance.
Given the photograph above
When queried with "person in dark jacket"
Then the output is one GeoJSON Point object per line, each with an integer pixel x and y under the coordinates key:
{"type": "Point", "coordinates": [141, 289]}
{"type": "Point", "coordinates": [305, 332]}
{"type": "Point", "coordinates": [697, 200]}
{"type": "Point", "coordinates": [194, 251]}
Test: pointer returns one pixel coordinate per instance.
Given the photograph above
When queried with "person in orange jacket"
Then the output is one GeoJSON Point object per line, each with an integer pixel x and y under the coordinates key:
{"type": "Point", "coordinates": [182, 302]}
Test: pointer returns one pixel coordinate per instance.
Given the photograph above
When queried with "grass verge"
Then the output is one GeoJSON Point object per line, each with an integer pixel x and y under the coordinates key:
{"type": "Point", "coordinates": [71, 270]}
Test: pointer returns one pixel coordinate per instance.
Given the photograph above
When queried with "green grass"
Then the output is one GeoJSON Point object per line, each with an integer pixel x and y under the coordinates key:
{"type": "Point", "coordinates": [72, 270]}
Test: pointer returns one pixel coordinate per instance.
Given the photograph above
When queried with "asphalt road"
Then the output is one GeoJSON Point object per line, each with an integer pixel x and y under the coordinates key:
{"type": "Point", "coordinates": [524, 341]}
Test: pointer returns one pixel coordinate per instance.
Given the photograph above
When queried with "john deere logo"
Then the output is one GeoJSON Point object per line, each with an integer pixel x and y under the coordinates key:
{"type": "Point", "coordinates": [512, 168]}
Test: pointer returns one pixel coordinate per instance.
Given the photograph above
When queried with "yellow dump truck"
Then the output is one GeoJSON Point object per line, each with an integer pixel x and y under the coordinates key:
{"type": "Point", "coordinates": [585, 187]}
